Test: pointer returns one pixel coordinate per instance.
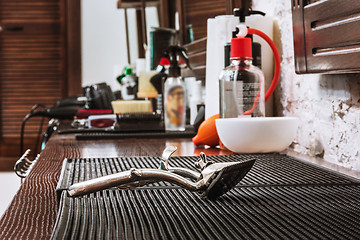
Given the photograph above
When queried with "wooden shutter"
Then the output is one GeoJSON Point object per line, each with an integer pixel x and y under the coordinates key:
{"type": "Point", "coordinates": [197, 12]}
{"type": "Point", "coordinates": [32, 63]}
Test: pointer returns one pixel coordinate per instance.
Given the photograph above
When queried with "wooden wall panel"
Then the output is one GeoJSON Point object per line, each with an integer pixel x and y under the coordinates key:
{"type": "Point", "coordinates": [33, 65]}
{"type": "Point", "coordinates": [31, 60]}
{"type": "Point", "coordinates": [197, 12]}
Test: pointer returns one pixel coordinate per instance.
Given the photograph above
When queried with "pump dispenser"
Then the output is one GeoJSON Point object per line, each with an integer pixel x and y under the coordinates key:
{"type": "Point", "coordinates": [240, 81]}
{"type": "Point", "coordinates": [174, 90]}
{"type": "Point", "coordinates": [242, 84]}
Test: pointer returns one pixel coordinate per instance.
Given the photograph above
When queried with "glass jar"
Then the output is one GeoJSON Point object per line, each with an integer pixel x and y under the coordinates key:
{"type": "Point", "coordinates": [242, 89]}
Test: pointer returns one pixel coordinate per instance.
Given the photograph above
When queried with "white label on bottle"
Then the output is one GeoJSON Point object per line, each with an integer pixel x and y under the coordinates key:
{"type": "Point", "coordinates": [233, 98]}
{"type": "Point", "coordinates": [240, 97]}
{"type": "Point", "coordinates": [250, 89]}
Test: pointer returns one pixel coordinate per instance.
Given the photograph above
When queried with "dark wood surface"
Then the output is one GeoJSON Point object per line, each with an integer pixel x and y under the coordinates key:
{"type": "Point", "coordinates": [73, 49]}
{"type": "Point", "coordinates": [32, 213]}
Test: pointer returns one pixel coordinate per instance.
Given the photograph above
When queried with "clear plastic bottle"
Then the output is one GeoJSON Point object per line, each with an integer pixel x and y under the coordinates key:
{"type": "Point", "coordinates": [175, 117]}
{"type": "Point", "coordinates": [174, 90]}
{"type": "Point", "coordinates": [241, 84]}
{"type": "Point", "coordinates": [128, 85]}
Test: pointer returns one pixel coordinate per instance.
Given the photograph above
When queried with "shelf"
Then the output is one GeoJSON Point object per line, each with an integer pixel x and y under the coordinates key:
{"type": "Point", "coordinates": [136, 3]}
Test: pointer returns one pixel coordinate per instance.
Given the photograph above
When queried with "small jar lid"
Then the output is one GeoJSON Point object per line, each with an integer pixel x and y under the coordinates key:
{"type": "Point", "coordinates": [240, 47]}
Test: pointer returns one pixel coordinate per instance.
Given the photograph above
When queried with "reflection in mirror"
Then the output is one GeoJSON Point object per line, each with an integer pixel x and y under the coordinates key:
{"type": "Point", "coordinates": [103, 43]}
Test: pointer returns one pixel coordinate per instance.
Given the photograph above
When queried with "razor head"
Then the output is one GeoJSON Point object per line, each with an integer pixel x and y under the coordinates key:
{"type": "Point", "coordinates": [227, 178]}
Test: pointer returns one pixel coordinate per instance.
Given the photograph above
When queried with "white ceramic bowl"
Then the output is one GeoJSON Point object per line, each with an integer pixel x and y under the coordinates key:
{"type": "Point", "coordinates": [258, 134]}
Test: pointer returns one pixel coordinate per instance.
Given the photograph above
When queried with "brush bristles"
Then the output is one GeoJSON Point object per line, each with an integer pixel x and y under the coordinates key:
{"type": "Point", "coordinates": [132, 106]}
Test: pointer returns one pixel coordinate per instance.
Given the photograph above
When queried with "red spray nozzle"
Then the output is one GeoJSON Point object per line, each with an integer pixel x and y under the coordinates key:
{"type": "Point", "coordinates": [164, 62]}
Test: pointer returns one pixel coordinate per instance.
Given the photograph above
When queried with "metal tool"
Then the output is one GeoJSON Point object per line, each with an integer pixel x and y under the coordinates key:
{"type": "Point", "coordinates": [214, 180]}
{"type": "Point", "coordinates": [24, 165]}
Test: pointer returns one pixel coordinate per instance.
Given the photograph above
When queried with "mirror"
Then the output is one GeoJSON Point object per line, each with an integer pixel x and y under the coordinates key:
{"type": "Point", "coordinates": [104, 48]}
{"type": "Point", "coordinates": [104, 43]}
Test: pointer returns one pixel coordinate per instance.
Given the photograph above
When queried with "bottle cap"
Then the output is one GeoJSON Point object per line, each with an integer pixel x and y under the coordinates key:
{"type": "Point", "coordinates": [240, 47]}
{"type": "Point", "coordinates": [164, 61]}
{"type": "Point", "coordinates": [128, 71]}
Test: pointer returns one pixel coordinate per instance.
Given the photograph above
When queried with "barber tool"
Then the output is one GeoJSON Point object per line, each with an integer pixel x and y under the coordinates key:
{"type": "Point", "coordinates": [240, 95]}
{"type": "Point", "coordinates": [214, 179]}
{"type": "Point", "coordinates": [24, 165]}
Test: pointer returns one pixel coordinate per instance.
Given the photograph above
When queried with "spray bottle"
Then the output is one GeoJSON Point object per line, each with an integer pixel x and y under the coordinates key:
{"type": "Point", "coordinates": [174, 90]}
{"type": "Point", "coordinates": [231, 104]}
{"type": "Point", "coordinates": [128, 85]}
{"type": "Point", "coordinates": [242, 88]}
{"type": "Point", "coordinates": [241, 84]}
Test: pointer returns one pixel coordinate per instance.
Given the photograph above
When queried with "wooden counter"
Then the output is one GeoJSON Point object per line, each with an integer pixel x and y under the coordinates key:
{"type": "Point", "coordinates": [32, 213]}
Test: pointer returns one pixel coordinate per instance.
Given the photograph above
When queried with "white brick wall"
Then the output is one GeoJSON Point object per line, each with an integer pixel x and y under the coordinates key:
{"type": "Point", "coordinates": [327, 105]}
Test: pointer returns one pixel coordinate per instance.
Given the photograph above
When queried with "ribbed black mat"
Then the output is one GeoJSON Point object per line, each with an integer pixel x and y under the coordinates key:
{"type": "Point", "coordinates": [113, 135]}
{"type": "Point", "coordinates": [280, 198]}
{"type": "Point", "coordinates": [98, 133]}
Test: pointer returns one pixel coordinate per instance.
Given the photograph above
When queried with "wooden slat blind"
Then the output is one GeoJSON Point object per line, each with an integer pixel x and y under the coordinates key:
{"type": "Point", "coordinates": [32, 60]}
{"type": "Point", "coordinates": [197, 12]}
